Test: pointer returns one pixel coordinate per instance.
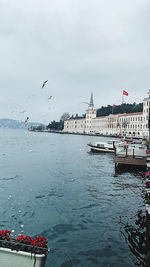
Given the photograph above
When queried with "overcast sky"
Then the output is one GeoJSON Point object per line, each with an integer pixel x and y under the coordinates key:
{"type": "Point", "coordinates": [79, 46]}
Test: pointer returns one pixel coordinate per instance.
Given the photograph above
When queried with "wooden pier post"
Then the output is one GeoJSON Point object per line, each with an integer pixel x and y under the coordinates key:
{"type": "Point", "coordinates": [133, 153]}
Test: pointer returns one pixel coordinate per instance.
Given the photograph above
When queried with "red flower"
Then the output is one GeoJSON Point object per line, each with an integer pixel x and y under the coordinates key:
{"type": "Point", "coordinates": [2, 233]}
{"type": "Point", "coordinates": [33, 242]}
{"type": "Point", "coordinates": [5, 233]}
{"type": "Point", "coordinates": [28, 238]}
{"type": "Point", "coordinates": [39, 241]}
{"type": "Point", "coordinates": [20, 238]}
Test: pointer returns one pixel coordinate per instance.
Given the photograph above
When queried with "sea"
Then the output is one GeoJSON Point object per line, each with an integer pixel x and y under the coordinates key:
{"type": "Point", "coordinates": [52, 185]}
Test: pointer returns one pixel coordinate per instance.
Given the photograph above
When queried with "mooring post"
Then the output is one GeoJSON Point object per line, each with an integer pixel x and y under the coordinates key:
{"type": "Point", "coordinates": [133, 152]}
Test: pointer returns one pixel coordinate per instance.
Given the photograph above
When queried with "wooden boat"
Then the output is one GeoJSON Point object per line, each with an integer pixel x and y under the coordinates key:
{"type": "Point", "coordinates": [102, 147]}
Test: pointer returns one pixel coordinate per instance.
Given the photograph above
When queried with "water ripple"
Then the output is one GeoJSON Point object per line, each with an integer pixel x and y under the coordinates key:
{"type": "Point", "coordinates": [9, 178]}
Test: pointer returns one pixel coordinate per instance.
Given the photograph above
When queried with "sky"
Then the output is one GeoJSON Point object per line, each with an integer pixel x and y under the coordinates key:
{"type": "Point", "coordinates": [79, 46]}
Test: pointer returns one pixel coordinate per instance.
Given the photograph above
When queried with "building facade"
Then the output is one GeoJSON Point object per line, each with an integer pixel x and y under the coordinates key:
{"type": "Point", "coordinates": [130, 124]}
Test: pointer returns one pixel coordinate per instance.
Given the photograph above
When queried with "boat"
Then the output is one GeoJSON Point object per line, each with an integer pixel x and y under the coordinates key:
{"type": "Point", "coordinates": [103, 146]}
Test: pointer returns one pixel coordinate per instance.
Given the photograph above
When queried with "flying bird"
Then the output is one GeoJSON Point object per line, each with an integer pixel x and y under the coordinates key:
{"type": "Point", "coordinates": [44, 84]}
{"type": "Point", "coordinates": [50, 97]}
{"type": "Point", "coordinates": [86, 103]}
{"type": "Point", "coordinates": [26, 119]}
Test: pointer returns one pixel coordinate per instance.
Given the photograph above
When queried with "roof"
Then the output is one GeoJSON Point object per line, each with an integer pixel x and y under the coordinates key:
{"type": "Point", "coordinates": [130, 114]}
{"type": "Point", "coordinates": [100, 117]}
{"type": "Point", "coordinates": [77, 118]}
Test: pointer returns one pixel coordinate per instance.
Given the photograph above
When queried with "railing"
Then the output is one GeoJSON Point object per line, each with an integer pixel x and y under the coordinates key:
{"type": "Point", "coordinates": [131, 150]}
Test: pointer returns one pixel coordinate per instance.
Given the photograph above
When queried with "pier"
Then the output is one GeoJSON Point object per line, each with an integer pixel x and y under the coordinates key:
{"type": "Point", "coordinates": [130, 154]}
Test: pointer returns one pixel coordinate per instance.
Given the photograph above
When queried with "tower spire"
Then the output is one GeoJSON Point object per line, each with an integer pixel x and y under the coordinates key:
{"type": "Point", "coordinates": [91, 100]}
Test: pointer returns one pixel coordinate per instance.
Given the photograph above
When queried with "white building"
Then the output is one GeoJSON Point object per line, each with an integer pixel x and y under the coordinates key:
{"type": "Point", "coordinates": [131, 124]}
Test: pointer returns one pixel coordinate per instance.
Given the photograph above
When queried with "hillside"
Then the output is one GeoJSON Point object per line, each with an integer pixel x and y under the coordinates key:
{"type": "Point", "coordinates": [123, 108]}
{"type": "Point", "coordinates": [14, 124]}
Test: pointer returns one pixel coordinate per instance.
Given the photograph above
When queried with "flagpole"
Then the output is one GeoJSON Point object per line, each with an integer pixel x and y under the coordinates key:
{"type": "Point", "coordinates": [122, 98]}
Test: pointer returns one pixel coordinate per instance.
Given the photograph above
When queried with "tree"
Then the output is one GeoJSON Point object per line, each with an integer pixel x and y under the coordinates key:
{"type": "Point", "coordinates": [64, 116]}
{"type": "Point", "coordinates": [123, 108]}
{"type": "Point", "coordinates": [58, 125]}
{"type": "Point", "coordinates": [55, 125]}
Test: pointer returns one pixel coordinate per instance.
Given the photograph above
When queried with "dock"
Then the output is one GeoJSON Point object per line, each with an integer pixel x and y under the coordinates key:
{"type": "Point", "coordinates": [130, 154]}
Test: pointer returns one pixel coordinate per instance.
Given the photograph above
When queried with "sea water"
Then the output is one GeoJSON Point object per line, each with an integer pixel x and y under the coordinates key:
{"type": "Point", "coordinates": [51, 185]}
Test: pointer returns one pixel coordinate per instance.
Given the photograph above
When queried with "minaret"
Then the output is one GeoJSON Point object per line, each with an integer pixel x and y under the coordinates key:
{"type": "Point", "coordinates": [91, 100]}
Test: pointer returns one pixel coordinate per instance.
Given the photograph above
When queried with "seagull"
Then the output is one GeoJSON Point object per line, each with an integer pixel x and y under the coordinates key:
{"type": "Point", "coordinates": [50, 97]}
{"type": "Point", "coordinates": [86, 103]}
{"type": "Point", "coordinates": [44, 84]}
{"type": "Point", "coordinates": [26, 119]}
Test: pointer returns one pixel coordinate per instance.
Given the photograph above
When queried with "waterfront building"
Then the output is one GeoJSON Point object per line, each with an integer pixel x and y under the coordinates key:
{"type": "Point", "coordinates": [90, 115]}
{"type": "Point", "coordinates": [130, 124]}
{"type": "Point", "coordinates": [75, 125]}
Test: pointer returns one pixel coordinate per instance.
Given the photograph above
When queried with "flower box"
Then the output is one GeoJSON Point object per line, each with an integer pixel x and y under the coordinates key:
{"type": "Point", "coordinates": [22, 251]}
{"type": "Point", "coordinates": [12, 258]}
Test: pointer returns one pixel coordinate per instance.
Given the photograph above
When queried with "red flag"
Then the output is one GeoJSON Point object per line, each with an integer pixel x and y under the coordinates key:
{"type": "Point", "coordinates": [125, 93]}
{"type": "Point", "coordinates": [114, 106]}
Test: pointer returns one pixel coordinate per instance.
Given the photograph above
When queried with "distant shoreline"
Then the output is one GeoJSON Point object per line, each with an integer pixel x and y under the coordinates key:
{"type": "Point", "coordinates": [62, 132]}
